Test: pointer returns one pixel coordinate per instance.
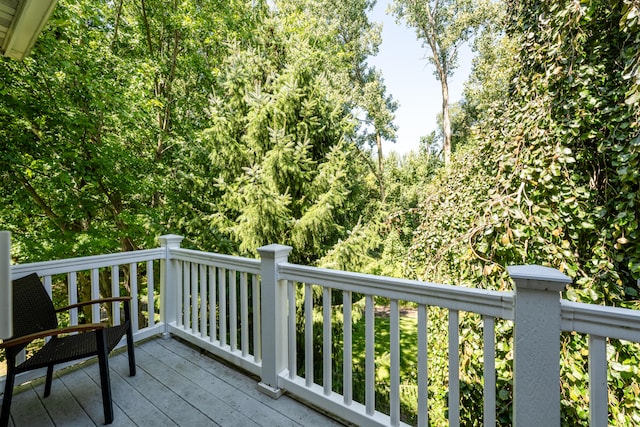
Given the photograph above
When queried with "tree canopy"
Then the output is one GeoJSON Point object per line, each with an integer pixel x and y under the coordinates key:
{"type": "Point", "coordinates": [244, 123]}
{"type": "Point", "coordinates": [232, 123]}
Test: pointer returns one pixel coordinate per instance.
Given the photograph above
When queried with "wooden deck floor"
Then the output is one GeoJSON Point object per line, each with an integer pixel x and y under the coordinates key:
{"type": "Point", "coordinates": [175, 385]}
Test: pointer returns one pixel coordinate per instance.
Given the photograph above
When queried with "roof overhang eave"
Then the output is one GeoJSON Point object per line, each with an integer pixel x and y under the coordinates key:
{"type": "Point", "coordinates": [25, 26]}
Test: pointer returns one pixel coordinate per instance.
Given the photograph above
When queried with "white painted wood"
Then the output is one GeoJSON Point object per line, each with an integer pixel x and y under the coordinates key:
{"type": "Point", "coordinates": [308, 335]}
{"type": "Point", "coordinates": [203, 285]}
{"type": "Point", "coordinates": [489, 350]}
{"type": "Point", "coordinates": [423, 373]}
{"type": "Point", "coordinates": [178, 303]}
{"type": "Point", "coordinates": [150, 295]}
{"type": "Point", "coordinates": [25, 26]}
{"type": "Point", "coordinates": [327, 368]}
{"type": "Point", "coordinates": [538, 277]}
{"type": "Point", "coordinates": [115, 292]}
{"type": "Point", "coordinates": [356, 413]}
{"type": "Point", "coordinates": [592, 319]}
{"type": "Point", "coordinates": [95, 294]}
{"type": "Point", "coordinates": [233, 311]}
{"type": "Point", "coordinates": [235, 358]}
{"type": "Point", "coordinates": [274, 314]}
{"type": "Point", "coordinates": [64, 266]}
{"type": "Point", "coordinates": [257, 328]}
{"type": "Point", "coordinates": [394, 350]}
{"type": "Point", "coordinates": [170, 276]}
{"type": "Point", "coordinates": [490, 303]}
{"type": "Point", "coordinates": [72, 280]}
{"type": "Point", "coordinates": [228, 262]}
{"type": "Point", "coordinates": [370, 365]}
{"type": "Point", "coordinates": [454, 368]}
{"type": "Point", "coordinates": [195, 298]}
{"type": "Point", "coordinates": [6, 293]}
{"type": "Point", "coordinates": [291, 328]}
{"type": "Point", "coordinates": [598, 391]}
{"type": "Point", "coordinates": [186, 295]}
{"type": "Point", "coordinates": [244, 314]}
{"type": "Point", "coordinates": [46, 281]}
{"type": "Point", "coordinates": [347, 349]}
{"type": "Point", "coordinates": [222, 305]}
{"type": "Point", "coordinates": [536, 345]}
{"type": "Point", "coordinates": [133, 277]}
{"type": "Point", "coordinates": [145, 333]}
{"type": "Point", "coordinates": [213, 306]}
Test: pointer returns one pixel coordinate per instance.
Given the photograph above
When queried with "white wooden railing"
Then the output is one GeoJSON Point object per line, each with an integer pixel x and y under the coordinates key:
{"type": "Point", "coordinates": [244, 311]}
{"type": "Point", "coordinates": [197, 281]}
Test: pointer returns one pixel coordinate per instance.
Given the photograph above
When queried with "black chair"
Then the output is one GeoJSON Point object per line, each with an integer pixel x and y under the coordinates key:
{"type": "Point", "coordinates": [34, 317]}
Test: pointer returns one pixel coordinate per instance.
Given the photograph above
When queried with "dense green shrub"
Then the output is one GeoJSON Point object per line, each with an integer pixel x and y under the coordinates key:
{"type": "Point", "coordinates": [554, 182]}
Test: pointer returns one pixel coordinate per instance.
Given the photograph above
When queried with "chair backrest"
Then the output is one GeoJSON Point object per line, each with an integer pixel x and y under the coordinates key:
{"type": "Point", "coordinates": [33, 310]}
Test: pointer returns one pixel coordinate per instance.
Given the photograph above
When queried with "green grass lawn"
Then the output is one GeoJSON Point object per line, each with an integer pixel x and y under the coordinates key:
{"type": "Point", "coordinates": [408, 366]}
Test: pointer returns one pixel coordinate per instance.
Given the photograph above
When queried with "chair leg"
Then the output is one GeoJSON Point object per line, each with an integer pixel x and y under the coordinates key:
{"type": "Point", "coordinates": [47, 384]}
{"type": "Point", "coordinates": [130, 351]}
{"type": "Point", "coordinates": [105, 382]}
{"type": "Point", "coordinates": [6, 400]}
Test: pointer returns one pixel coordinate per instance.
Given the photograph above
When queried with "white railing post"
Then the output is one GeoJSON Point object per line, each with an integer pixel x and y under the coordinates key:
{"type": "Point", "coordinates": [6, 294]}
{"type": "Point", "coordinates": [168, 283]}
{"type": "Point", "coordinates": [536, 371]}
{"type": "Point", "coordinates": [273, 293]}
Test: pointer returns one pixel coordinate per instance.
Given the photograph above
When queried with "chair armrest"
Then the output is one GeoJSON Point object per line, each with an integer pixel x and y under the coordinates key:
{"type": "Point", "coordinates": [91, 302]}
{"type": "Point", "coordinates": [51, 333]}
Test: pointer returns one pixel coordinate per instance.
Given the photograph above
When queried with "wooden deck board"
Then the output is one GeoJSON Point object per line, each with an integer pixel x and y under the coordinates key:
{"type": "Point", "coordinates": [199, 393]}
{"type": "Point", "coordinates": [237, 401]}
{"type": "Point", "coordinates": [257, 402]}
{"type": "Point", "coordinates": [79, 388]}
{"type": "Point", "coordinates": [175, 385]}
{"type": "Point", "coordinates": [130, 407]}
{"type": "Point", "coordinates": [27, 408]}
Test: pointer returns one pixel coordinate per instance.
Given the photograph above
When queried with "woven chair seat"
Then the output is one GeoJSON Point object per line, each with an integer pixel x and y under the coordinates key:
{"type": "Point", "coordinates": [35, 316]}
{"type": "Point", "coordinates": [71, 347]}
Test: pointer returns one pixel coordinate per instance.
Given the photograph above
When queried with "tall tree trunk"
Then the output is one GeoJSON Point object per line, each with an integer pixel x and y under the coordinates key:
{"type": "Point", "coordinates": [446, 121]}
{"type": "Point", "coordinates": [380, 167]}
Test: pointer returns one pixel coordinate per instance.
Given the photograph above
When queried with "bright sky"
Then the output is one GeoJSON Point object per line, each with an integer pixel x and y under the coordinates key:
{"type": "Point", "coordinates": [409, 78]}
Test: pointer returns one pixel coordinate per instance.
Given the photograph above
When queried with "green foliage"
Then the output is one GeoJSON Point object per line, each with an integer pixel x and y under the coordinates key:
{"type": "Point", "coordinates": [567, 167]}
{"type": "Point", "coordinates": [553, 179]}
{"type": "Point", "coordinates": [278, 142]}
{"type": "Point", "coordinates": [69, 167]}
{"type": "Point", "coordinates": [440, 250]}
{"type": "Point", "coordinates": [239, 124]}
{"type": "Point", "coordinates": [443, 27]}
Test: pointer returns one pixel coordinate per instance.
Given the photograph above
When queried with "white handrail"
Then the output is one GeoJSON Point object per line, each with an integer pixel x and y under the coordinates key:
{"type": "Point", "coordinates": [481, 301]}
{"type": "Point", "coordinates": [48, 268]}
{"type": "Point", "coordinates": [603, 321]}
{"type": "Point", "coordinates": [229, 262]}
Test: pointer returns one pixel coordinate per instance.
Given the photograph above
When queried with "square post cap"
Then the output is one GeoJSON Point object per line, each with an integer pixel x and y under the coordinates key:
{"type": "Point", "coordinates": [538, 277]}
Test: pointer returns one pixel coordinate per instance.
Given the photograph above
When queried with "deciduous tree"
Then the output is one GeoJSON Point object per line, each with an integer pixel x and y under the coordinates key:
{"type": "Point", "coordinates": [443, 26]}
